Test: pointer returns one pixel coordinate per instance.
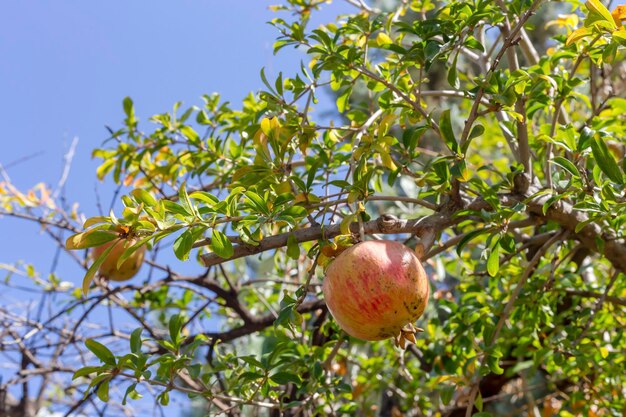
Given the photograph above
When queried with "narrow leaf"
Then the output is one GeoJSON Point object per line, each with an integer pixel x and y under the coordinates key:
{"type": "Point", "coordinates": [567, 165]}
{"type": "Point", "coordinates": [128, 252]}
{"type": "Point", "coordinates": [445, 124]}
{"type": "Point", "coordinates": [493, 262]}
{"type": "Point", "coordinates": [91, 272]}
{"type": "Point", "coordinates": [605, 160]}
{"type": "Point", "coordinates": [135, 340]}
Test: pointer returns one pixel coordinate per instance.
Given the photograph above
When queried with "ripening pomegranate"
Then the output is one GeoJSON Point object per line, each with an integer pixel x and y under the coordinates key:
{"type": "Point", "coordinates": [376, 290]}
{"type": "Point", "coordinates": [129, 268]}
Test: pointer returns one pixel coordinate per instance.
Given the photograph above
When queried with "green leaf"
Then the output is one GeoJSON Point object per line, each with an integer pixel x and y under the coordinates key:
{"type": "Point", "coordinates": [221, 245]}
{"type": "Point", "coordinates": [586, 135]}
{"type": "Point", "coordinates": [472, 43]}
{"type": "Point", "coordinates": [469, 236]}
{"type": "Point", "coordinates": [95, 220]}
{"type": "Point", "coordinates": [144, 197]}
{"type": "Point", "coordinates": [89, 239]}
{"type": "Point", "coordinates": [445, 125]}
{"type": "Point", "coordinates": [476, 131]}
{"type": "Point", "coordinates": [101, 352]}
{"type": "Point", "coordinates": [479, 401]}
{"type": "Point", "coordinates": [176, 208]}
{"type": "Point", "coordinates": [103, 390]}
{"type": "Point", "coordinates": [598, 9]}
{"type": "Point", "coordinates": [493, 262]}
{"type": "Point", "coordinates": [87, 370]}
{"type": "Point", "coordinates": [257, 203]}
{"type": "Point", "coordinates": [446, 394]}
{"type": "Point", "coordinates": [283, 378]}
{"type": "Point", "coordinates": [279, 84]}
{"type": "Point", "coordinates": [175, 325]}
{"type": "Point", "coordinates": [164, 398]}
{"type": "Point", "coordinates": [578, 34]}
{"type": "Point", "coordinates": [494, 365]}
{"type": "Point", "coordinates": [135, 340]}
{"type": "Point", "coordinates": [189, 133]}
{"type": "Point", "coordinates": [129, 392]}
{"type": "Point", "coordinates": [293, 249]}
{"type": "Point", "coordinates": [343, 100]}
{"type": "Point", "coordinates": [567, 165]}
{"type": "Point", "coordinates": [185, 202]}
{"type": "Point", "coordinates": [91, 272]}
{"type": "Point", "coordinates": [128, 252]}
{"type": "Point", "coordinates": [344, 226]}
{"type": "Point", "coordinates": [128, 106]}
{"type": "Point", "coordinates": [453, 78]}
{"type": "Point", "coordinates": [205, 197]}
{"type": "Point", "coordinates": [605, 160]}
{"type": "Point", "coordinates": [183, 245]}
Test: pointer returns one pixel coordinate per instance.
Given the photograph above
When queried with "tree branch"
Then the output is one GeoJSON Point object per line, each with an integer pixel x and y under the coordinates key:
{"type": "Point", "coordinates": [386, 224]}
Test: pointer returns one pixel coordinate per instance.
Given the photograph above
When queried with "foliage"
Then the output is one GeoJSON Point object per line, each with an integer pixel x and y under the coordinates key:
{"type": "Point", "coordinates": [507, 172]}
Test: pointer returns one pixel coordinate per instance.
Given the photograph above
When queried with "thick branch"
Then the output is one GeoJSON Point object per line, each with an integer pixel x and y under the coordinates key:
{"type": "Point", "coordinates": [562, 213]}
{"type": "Point", "coordinates": [385, 224]}
{"type": "Point", "coordinates": [565, 214]}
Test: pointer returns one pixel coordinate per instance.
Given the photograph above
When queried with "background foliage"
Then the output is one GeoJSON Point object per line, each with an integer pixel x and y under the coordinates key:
{"type": "Point", "coordinates": [490, 133]}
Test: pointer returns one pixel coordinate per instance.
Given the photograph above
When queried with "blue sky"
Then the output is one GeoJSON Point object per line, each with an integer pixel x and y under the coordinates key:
{"type": "Point", "coordinates": [66, 65]}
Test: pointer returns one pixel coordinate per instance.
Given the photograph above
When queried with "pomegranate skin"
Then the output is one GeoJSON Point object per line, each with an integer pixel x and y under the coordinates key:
{"type": "Point", "coordinates": [129, 268]}
{"type": "Point", "coordinates": [375, 288]}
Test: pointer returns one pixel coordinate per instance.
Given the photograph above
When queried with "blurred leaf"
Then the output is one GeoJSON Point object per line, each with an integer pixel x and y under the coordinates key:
{"type": "Point", "coordinates": [493, 262]}
{"type": "Point", "coordinates": [293, 249]}
{"type": "Point", "coordinates": [144, 197]}
{"type": "Point", "coordinates": [283, 378]}
{"type": "Point", "coordinates": [135, 340]}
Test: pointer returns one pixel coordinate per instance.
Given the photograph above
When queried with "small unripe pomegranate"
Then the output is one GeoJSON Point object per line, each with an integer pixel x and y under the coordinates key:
{"type": "Point", "coordinates": [129, 268]}
{"type": "Point", "coordinates": [376, 290]}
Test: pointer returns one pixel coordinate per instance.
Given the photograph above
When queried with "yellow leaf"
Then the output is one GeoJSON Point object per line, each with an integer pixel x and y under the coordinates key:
{"type": "Point", "coordinates": [619, 14]}
{"type": "Point", "coordinates": [387, 161]}
{"type": "Point", "coordinates": [595, 6]}
{"type": "Point", "coordinates": [620, 33]}
{"type": "Point", "coordinates": [383, 39]}
{"type": "Point", "coordinates": [577, 35]}
{"type": "Point", "coordinates": [301, 198]}
{"type": "Point", "coordinates": [604, 352]}
{"type": "Point", "coordinates": [344, 226]}
{"type": "Point", "coordinates": [569, 21]}
{"type": "Point", "coordinates": [266, 126]}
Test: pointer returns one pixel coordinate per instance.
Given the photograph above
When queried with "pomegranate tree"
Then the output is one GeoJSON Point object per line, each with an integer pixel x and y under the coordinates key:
{"type": "Point", "coordinates": [376, 290]}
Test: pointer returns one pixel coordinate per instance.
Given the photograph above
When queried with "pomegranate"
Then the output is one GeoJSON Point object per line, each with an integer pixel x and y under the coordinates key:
{"type": "Point", "coordinates": [376, 290]}
{"type": "Point", "coordinates": [129, 268]}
